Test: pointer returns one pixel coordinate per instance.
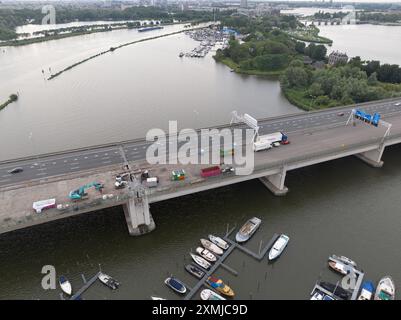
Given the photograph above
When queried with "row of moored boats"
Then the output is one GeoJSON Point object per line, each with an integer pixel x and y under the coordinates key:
{"type": "Point", "coordinates": [108, 281]}
{"type": "Point", "coordinates": [207, 254]}
{"type": "Point", "coordinates": [385, 289]}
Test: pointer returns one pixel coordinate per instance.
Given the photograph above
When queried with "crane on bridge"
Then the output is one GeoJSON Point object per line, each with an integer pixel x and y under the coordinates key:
{"type": "Point", "coordinates": [80, 193]}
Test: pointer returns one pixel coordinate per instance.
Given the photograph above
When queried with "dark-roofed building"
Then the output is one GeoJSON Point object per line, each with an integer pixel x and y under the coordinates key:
{"type": "Point", "coordinates": [337, 57]}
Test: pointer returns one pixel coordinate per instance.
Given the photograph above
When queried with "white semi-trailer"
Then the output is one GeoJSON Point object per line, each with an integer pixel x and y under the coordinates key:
{"type": "Point", "coordinates": [266, 141]}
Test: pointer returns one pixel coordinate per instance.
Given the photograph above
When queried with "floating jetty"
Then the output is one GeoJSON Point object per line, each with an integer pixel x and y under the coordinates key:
{"type": "Point", "coordinates": [220, 262]}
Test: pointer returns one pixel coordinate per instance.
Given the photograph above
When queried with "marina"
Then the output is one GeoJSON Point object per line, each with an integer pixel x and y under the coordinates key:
{"type": "Point", "coordinates": [209, 39]}
{"type": "Point", "coordinates": [220, 262]}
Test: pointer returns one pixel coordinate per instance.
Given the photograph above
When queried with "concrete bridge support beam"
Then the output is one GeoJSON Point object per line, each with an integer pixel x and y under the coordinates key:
{"type": "Point", "coordinates": [373, 157]}
{"type": "Point", "coordinates": [138, 217]}
{"type": "Point", "coordinates": [275, 183]}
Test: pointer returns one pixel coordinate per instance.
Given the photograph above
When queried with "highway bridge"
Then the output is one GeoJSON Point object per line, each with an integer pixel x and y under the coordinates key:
{"type": "Point", "coordinates": [315, 137]}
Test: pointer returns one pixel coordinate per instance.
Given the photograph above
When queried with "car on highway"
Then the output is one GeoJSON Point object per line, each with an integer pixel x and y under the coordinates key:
{"type": "Point", "coordinates": [340, 114]}
{"type": "Point", "coordinates": [398, 104]}
{"type": "Point", "coordinates": [16, 170]}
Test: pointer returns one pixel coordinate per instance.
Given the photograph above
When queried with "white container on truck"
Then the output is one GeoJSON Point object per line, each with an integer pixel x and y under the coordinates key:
{"type": "Point", "coordinates": [272, 137]}
{"type": "Point", "coordinates": [261, 145]}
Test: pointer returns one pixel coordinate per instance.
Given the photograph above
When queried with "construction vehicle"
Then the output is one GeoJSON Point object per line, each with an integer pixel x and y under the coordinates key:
{"type": "Point", "coordinates": [122, 180]}
{"type": "Point", "coordinates": [177, 175]}
{"type": "Point", "coordinates": [80, 194]}
{"type": "Point", "coordinates": [144, 175]}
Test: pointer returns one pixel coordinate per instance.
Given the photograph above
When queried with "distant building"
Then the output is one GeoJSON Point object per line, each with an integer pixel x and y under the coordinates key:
{"type": "Point", "coordinates": [337, 57]}
{"type": "Point", "coordinates": [244, 3]}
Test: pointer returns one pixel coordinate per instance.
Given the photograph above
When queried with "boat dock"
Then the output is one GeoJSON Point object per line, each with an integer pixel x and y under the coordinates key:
{"type": "Point", "coordinates": [220, 262]}
{"type": "Point", "coordinates": [359, 275]}
{"type": "Point", "coordinates": [86, 286]}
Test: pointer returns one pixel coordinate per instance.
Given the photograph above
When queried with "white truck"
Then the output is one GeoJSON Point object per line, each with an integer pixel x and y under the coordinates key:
{"type": "Point", "coordinates": [260, 145]}
{"type": "Point", "coordinates": [267, 141]}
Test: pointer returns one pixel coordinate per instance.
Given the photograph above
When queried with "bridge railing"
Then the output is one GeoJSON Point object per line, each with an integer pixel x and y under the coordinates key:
{"type": "Point", "coordinates": [273, 165]}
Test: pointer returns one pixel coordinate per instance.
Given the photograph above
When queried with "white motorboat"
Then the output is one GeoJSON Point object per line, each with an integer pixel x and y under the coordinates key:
{"type": "Point", "coordinates": [200, 261]}
{"type": "Point", "coordinates": [278, 247]}
{"type": "Point", "coordinates": [385, 289]}
{"type": "Point", "coordinates": [218, 241]}
{"type": "Point", "coordinates": [108, 281]}
{"type": "Point", "coordinates": [211, 246]}
{"type": "Point", "coordinates": [206, 254]}
{"type": "Point", "coordinates": [65, 285]}
{"type": "Point", "coordinates": [208, 294]}
{"type": "Point", "coordinates": [248, 229]}
{"type": "Point", "coordinates": [344, 260]}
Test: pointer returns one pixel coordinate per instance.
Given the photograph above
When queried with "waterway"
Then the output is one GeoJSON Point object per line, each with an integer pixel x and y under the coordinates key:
{"type": "Point", "coordinates": [343, 207]}
{"type": "Point", "coordinates": [121, 95]}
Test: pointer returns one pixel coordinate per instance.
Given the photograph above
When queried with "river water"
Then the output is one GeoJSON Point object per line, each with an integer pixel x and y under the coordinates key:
{"type": "Point", "coordinates": [121, 95]}
{"type": "Point", "coordinates": [343, 207]}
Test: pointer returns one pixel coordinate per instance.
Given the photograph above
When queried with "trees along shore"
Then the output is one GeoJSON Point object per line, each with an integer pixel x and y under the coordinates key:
{"type": "Point", "coordinates": [306, 78]}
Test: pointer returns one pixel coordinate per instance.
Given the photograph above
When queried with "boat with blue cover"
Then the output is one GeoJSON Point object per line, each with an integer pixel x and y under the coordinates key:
{"type": "Point", "coordinates": [176, 285]}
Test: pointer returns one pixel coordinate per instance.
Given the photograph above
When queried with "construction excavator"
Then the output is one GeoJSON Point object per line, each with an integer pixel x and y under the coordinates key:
{"type": "Point", "coordinates": [80, 194]}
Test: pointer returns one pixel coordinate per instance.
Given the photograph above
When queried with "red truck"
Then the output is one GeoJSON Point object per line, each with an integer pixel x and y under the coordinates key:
{"type": "Point", "coordinates": [210, 171]}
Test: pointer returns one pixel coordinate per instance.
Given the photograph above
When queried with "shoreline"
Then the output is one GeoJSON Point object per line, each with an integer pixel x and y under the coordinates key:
{"type": "Point", "coordinates": [22, 42]}
{"type": "Point", "coordinates": [235, 68]}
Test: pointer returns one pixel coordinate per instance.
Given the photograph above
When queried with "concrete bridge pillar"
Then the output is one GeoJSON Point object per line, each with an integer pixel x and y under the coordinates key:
{"type": "Point", "coordinates": [275, 183]}
{"type": "Point", "coordinates": [373, 157]}
{"type": "Point", "coordinates": [137, 215]}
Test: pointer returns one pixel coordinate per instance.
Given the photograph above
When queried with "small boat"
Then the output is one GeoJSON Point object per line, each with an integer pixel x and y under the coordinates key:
{"type": "Point", "coordinates": [278, 247]}
{"type": "Point", "coordinates": [206, 254]}
{"type": "Point", "coordinates": [176, 285]}
{"type": "Point", "coordinates": [108, 281]}
{"type": "Point", "coordinates": [211, 246]}
{"type": "Point", "coordinates": [200, 261]}
{"type": "Point", "coordinates": [65, 285]}
{"type": "Point", "coordinates": [336, 290]}
{"type": "Point", "coordinates": [344, 260]}
{"type": "Point", "coordinates": [367, 292]}
{"type": "Point", "coordinates": [195, 271]}
{"type": "Point", "coordinates": [339, 267]}
{"type": "Point", "coordinates": [208, 294]}
{"type": "Point", "coordinates": [248, 229]}
{"type": "Point", "coordinates": [156, 298]}
{"type": "Point", "coordinates": [218, 241]}
{"type": "Point", "coordinates": [220, 286]}
{"type": "Point", "coordinates": [385, 289]}
{"type": "Point", "coordinates": [320, 295]}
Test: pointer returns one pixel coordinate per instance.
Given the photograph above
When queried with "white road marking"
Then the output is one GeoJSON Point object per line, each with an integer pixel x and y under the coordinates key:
{"type": "Point", "coordinates": [74, 168]}
{"type": "Point", "coordinates": [41, 174]}
{"type": "Point", "coordinates": [105, 162]}
{"type": "Point", "coordinates": [4, 180]}
{"type": "Point", "coordinates": [74, 164]}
